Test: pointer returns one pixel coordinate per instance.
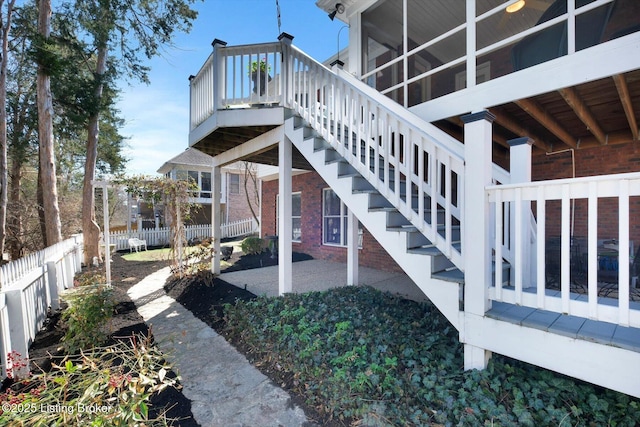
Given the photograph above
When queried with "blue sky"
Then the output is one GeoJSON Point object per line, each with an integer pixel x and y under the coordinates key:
{"type": "Point", "coordinates": [157, 114]}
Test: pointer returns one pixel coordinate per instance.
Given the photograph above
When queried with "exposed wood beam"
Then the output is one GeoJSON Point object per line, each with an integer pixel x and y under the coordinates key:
{"type": "Point", "coordinates": [625, 98]}
{"type": "Point", "coordinates": [614, 138]}
{"type": "Point", "coordinates": [584, 113]}
{"type": "Point", "coordinates": [508, 122]}
{"type": "Point", "coordinates": [538, 113]}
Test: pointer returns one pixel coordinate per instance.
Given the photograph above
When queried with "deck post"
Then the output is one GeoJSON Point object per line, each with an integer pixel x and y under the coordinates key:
{"type": "Point", "coordinates": [218, 75]}
{"type": "Point", "coordinates": [287, 71]}
{"type": "Point", "coordinates": [476, 242]}
{"type": "Point", "coordinates": [216, 234]}
{"type": "Point", "coordinates": [285, 227]}
{"type": "Point", "coordinates": [352, 249]}
{"type": "Point", "coordinates": [523, 275]}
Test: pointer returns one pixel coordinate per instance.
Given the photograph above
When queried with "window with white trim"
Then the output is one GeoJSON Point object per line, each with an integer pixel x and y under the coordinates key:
{"type": "Point", "coordinates": [335, 220]}
{"type": "Point", "coordinates": [296, 216]}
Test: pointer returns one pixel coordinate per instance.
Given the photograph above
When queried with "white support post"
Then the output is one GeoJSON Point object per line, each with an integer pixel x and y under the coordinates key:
{"type": "Point", "coordinates": [520, 171]}
{"type": "Point", "coordinates": [285, 228]}
{"type": "Point", "coordinates": [218, 74]}
{"type": "Point", "coordinates": [476, 239]}
{"type": "Point", "coordinates": [216, 233]}
{"type": "Point", "coordinates": [352, 249]}
{"type": "Point", "coordinates": [287, 73]}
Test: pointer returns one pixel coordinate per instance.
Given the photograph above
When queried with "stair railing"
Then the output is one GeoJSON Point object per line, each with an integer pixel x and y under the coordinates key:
{"type": "Point", "coordinates": [421, 175]}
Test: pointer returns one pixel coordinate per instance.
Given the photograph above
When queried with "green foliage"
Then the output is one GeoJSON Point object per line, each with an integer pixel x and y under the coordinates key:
{"type": "Point", "coordinates": [363, 357]}
{"type": "Point", "coordinates": [90, 308]}
{"type": "Point", "coordinates": [108, 386]}
{"type": "Point", "coordinates": [252, 245]}
{"type": "Point", "coordinates": [261, 65]}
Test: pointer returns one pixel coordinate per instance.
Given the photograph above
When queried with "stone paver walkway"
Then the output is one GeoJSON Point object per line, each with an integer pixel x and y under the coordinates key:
{"type": "Point", "coordinates": [224, 388]}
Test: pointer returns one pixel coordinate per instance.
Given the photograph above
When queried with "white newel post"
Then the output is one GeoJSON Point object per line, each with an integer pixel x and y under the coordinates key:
{"type": "Point", "coordinates": [520, 171]}
{"type": "Point", "coordinates": [476, 244]}
{"type": "Point", "coordinates": [218, 73]}
{"type": "Point", "coordinates": [285, 80]}
{"type": "Point", "coordinates": [216, 233]}
{"type": "Point", "coordinates": [352, 249]}
{"type": "Point", "coordinates": [285, 227]}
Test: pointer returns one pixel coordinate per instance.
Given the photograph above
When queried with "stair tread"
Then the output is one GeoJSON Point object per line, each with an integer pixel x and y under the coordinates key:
{"type": "Point", "coordinates": [449, 275]}
{"type": "Point", "coordinates": [432, 249]}
{"type": "Point", "coordinates": [568, 325]}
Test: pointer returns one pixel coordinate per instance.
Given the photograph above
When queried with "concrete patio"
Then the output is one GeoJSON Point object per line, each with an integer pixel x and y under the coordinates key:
{"type": "Point", "coordinates": [320, 275]}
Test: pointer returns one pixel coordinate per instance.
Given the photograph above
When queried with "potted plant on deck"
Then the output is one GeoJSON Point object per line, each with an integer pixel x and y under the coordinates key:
{"type": "Point", "coordinates": [259, 72]}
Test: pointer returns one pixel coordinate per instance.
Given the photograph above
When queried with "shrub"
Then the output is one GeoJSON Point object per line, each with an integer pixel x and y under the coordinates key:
{"type": "Point", "coordinates": [252, 245]}
{"type": "Point", "coordinates": [90, 309]}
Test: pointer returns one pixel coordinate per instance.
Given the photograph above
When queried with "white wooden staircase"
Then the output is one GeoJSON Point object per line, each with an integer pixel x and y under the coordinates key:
{"type": "Point", "coordinates": [405, 181]}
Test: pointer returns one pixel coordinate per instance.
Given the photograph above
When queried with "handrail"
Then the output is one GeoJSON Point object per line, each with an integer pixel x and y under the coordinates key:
{"type": "Point", "coordinates": [421, 175]}
{"type": "Point", "coordinates": [415, 165]}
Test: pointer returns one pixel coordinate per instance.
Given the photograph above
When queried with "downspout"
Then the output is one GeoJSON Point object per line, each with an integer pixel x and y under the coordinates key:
{"type": "Point", "coordinates": [573, 175]}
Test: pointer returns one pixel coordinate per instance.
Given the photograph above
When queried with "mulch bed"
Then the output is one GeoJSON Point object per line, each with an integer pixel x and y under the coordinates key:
{"type": "Point", "coordinates": [125, 323]}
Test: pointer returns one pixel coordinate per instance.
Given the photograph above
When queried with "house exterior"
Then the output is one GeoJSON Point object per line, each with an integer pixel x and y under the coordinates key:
{"type": "Point", "coordinates": [490, 147]}
{"type": "Point", "coordinates": [237, 180]}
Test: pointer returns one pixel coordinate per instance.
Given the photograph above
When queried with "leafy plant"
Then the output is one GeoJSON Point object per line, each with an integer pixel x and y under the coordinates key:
{"type": "Point", "coordinates": [252, 245]}
{"type": "Point", "coordinates": [363, 357]}
{"type": "Point", "coordinates": [90, 308]}
{"type": "Point", "coordinates": [109, 386]}
{"type": "Point", "coordinates": [261, 65]}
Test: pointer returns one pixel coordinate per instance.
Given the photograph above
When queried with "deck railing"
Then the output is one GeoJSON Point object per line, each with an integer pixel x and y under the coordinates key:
{"type": "Point", "coordinates": [579, 291]}
{"type": "Point", "coordinates": [418, 168]}
{"type": "Point", "coordinates": [415, 165]}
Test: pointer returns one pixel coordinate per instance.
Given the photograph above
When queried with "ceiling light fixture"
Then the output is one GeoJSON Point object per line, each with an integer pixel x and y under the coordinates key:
{"type": "Point", "coordinates": [339, 9]}
{"type": "Point", "coordinates": [512, 8]}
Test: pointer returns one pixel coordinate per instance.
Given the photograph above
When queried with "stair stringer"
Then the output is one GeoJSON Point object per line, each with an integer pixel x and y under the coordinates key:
{"type": "Point", "coordinates": [445, 295]}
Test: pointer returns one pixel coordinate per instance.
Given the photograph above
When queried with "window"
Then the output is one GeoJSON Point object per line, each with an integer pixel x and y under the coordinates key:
{"type": "Point", "coordinates": [296, 216]}
{"type": "Point", "coordinates": [205, 185]}
{"type": "Point", "coordinates": [335, 220]}
{"type": "Point", "coordinates": [234, 183]}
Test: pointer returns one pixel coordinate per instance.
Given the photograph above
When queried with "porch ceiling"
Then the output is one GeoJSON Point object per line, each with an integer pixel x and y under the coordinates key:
{"type": "Point", "coordinates": [601, 112]}
{"type": "Point", "coordinates": [223, 139]}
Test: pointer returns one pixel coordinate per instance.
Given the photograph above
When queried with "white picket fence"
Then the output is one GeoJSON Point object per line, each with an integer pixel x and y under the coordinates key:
{"type": "Point", "coordinates": [28, 288]}
{"type": "Point", "coordinates": [162, 236]}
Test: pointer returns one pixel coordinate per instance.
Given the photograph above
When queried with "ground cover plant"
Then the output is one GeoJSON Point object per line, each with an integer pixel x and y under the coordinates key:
{"type": "Point", "coordinates": [361, 357]}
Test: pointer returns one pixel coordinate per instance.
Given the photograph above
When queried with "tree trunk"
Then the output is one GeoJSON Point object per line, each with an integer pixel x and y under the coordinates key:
{"type": "Point", "coordinates": [90, 227]}
{"type": "Point", "coordinates": [4, 169]}
{"type": "Point", "coordinates": [49, 184]}
{"type": "Point", "coordinates": [15, 222]}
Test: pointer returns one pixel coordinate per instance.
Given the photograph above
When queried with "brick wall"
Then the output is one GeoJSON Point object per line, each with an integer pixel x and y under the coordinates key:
{"type": "Point", "coordinates": [604, 160]}
{"type": "Point", "coordinates": [310, 186]}
{"type": "Point", "coordinates": [237, 204]}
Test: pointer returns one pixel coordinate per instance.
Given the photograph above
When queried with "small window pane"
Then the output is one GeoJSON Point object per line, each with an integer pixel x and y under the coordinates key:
{"type": "Point", "coordinates": [234, 183]}
{"type": "Point", "coordinates": [296, 205]}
